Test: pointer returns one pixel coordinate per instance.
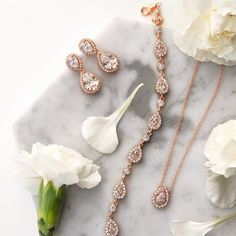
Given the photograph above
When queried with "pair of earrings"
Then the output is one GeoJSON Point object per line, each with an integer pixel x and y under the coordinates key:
{"type": "Point", "coordinates": [108, 62]}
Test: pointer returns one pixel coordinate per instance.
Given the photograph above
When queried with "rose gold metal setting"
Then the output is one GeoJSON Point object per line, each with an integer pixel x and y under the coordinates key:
{"type": "Point", "coordinates": [160, 197]}
{"type": "Point", "coordinates": [135, 155]}
{"type": "Point", "coordinates": [89, 82]}
{"type": "Point", "coordinates": [88, 47]}
{"type": "Point", "coordinates": [74, 62]}
{"type": "Point", "coordinates": [107, 61]}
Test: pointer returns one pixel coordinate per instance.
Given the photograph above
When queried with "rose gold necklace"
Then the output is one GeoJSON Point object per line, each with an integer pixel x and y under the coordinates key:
{"type": "Point", "coordinates": [161, 196]}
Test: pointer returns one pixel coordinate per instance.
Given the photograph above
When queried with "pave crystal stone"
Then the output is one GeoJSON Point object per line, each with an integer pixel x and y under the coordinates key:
{"type": "Point", "coordinates": [160, 197]}
{"type": "Point", "coordinates": [157, 30]}
{"type": "Point", "coordinates": [146, 138]}
{"type": "Point", "coordinates": [126, 171]}
{"type": "Point", "coordinates": [73, 62]}
{"type": "Point", "coordinates": [154, 121]}
{"type": "Point", "coordinates": [111, 228]}
{"type": "Point", "coordinates": [119, 191]}
{"type": "Point", "coordinates": [160, 103]}
{"type": "Point", "coordinates": [161, 66]}
{"type": "Point", "coordinates": [108, 61]}
{"type": "Point", "coordinates": [135, 154]}
{"type": "Point", "coordinates": [160, 49]}
{"type": "Point", "coordinates": [112, 208]}
{"type": "Point", "coordinates": [162, 86]}
{"type": "Point", "coordinates": [87, 46]}
{"type": "Point", "coordinates": [89, 82]}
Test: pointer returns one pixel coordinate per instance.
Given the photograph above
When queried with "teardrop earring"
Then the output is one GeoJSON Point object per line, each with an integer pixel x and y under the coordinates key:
{"type": "Point", "coordinates": [89, 82]}
{"type": "Point", "coordinates": [107, 61]}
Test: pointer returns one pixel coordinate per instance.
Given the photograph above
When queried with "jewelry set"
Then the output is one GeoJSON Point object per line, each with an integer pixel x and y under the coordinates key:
{"type": "Point", "coordinates": [90, 83]}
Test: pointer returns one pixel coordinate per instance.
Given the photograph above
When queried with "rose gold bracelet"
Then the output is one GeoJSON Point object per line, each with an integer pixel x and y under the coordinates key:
{"type": "Point", "coordinates": [154, 123]}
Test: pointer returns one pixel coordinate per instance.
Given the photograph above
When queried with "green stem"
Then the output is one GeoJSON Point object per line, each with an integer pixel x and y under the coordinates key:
{"type": "Point", "coordinates": [50, 206]}
{"type": "Point", "coordinates": [116, 115]}
{"type": "Point", "coordinates": [224, 218]}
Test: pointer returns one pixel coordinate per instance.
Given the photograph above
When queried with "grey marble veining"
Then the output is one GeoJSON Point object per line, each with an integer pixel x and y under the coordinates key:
{"type": "Point", "coordinates": [56, 117]}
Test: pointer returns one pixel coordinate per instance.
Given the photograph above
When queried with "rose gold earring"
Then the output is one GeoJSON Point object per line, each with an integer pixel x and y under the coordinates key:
{"type": "Point", "coordinates": [89, 82]}
{"type": "Point", "coordinates": [107, 61]}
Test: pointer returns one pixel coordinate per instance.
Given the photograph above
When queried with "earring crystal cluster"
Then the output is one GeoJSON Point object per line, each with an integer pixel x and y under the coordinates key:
{"type": "Point", "coordinates": [107, 61]}
{"type": "Point", "coordinates": [89, 82]}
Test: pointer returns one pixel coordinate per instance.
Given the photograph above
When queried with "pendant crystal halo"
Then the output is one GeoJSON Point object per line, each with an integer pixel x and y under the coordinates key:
{"type": "Point", "coordinates": [108, 61]}
{"type": "Point", "coordinates": [160, 197]}
{"type": "Point", "coordinates": [89, 82]}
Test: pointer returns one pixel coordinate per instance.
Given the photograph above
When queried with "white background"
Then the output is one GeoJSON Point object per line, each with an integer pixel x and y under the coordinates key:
{"type": "Point", "coordinates": [35, 37]}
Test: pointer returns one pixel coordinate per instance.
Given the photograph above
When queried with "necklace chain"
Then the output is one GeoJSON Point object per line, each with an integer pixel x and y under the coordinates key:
{"type": "Point", "coordinates": [196, 130]}
{"type": "Point", "coordinates": [161, 196]}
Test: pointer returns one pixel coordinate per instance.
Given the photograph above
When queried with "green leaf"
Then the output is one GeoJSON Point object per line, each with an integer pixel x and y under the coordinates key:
{"type": "Point", "coordinates": [50, 207]}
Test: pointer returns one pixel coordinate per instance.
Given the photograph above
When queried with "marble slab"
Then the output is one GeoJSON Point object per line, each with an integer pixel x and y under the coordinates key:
{"type": "Point", "coordinates": [56, 117]}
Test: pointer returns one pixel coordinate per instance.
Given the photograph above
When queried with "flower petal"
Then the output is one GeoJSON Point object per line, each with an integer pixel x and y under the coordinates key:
{"type": "Point", "coordinates": [220, 136]}
{"type": "Point", "coordinates": [90, 181]}
{"type": "Point", "coordinates": [100, 132]}
{"type": "Point", "coordinates": [190, 228]}
{"type": "Point", "coordinates": [58, 164]}
{"type": "Point", "coordinates": [221, 191]}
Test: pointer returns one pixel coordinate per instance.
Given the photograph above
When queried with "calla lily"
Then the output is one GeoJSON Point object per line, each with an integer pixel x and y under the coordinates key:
{"type": "Point", "coordinates": [100, 132]}
{"type": "Point", "coordinates": [192, 228]}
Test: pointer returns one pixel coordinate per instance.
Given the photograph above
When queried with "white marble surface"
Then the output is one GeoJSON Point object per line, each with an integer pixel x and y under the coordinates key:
{"type": "Point", "coordinates": [57, 116]}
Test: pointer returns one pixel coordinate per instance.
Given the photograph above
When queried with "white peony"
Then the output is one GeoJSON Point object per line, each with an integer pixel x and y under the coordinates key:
{"type": "Point", "coordinates": [57, 164]}
{"type": "Point", "coordinates": [207, 30]}
{"type": "Point", "coordinates": [220, 150]}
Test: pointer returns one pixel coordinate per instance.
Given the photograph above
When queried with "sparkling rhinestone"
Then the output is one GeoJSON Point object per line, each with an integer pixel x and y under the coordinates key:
{"type": "Point", "coordinates": [111, 228]}
{"type": "Point", "coordinates": [126, 171]}
{"type": "Point", "coordinates": [87, 46]}
{"type": "Point", "coordinates": [161, 66]}
{"type": "Point", "coordinates": [146, 138]}
{"type": "Point", "coordinates": [160, 49]}
{"type": "Point", "coordinates": [160, 103]}
{"type": "Point", "coordinates": [119, 191]}
{"type": "Point", "coordinates": [157, 30]}
{"type": "Point", "coordinates": [160, 197]}
{"type": "Point", "coordinates": [154, 121]}
{"type": "Point", "coordinates": [135, 155]}
{"type": "Point", "coordinates": [162, 86]}
{"type": "Point", "coordinates": [89, 82]}
{"type": "Point", "coordinates": [88, 77]}
{"type": "Point", "coordinates": [108, 61]}
{"type": "Point", "coordinates": [112, 207]}
{"type": "Point", "coordinates": [73, 62]}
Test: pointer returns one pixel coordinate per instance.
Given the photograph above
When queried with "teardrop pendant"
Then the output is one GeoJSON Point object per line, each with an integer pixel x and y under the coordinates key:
{"type": "Point", "coordinates": [111, 228]}
{"type": "Point", "coordinates": [74, 62]}
{"type": "Point", "coordinates": [160, 197]}
{"type": "Point", "coordinates": [119, 190]}
{"type": "Point", "coordinates": [108, 61]}
{"type": "Point", "coordinates": [88, 47]}
{"type": "Point", "coordinates": [89, 82]}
